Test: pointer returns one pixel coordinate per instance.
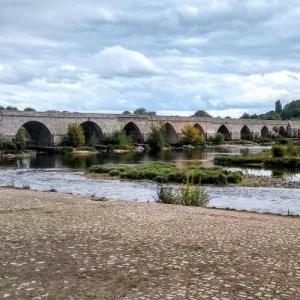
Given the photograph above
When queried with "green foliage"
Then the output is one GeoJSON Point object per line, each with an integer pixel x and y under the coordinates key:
{"type": "Point", "coordinates": [248, 116]}
{"type": "Point", "coordinates": [278, 107]}
{"type": "Point", "coordinates": [11, 108]}
{"type": "Point", "coordinates": [75, 135]}
{"type": "Point", "coordinates": [21, 139]}
{"type": "Point", "coordinates": [7, 144]}
{"type": "Point", "coordinates": [219, 139]}
{"type": "Point", "coordinates": [278, 151]}
{"type": "Point", "coordinates": [168, 172]}
{"type": "Point", "coordinates": [291, 110]}
{"type": "Point", "coordinates": [156, 138]}
{"type": "Point", "coordinates": [29, 109]}
{"type": "Point", "coordinates": [2, 107]}
{"type": "Point", "coordinates": [201, 113]}
{"type": "Point", "coordinates": [126, 112]}
{"type": "Point", "coordinates": [192, 136]}
{"type": "Point", "coordinates": [143, 111]}
{"type": "Point", "coordinates": [119, 140]}
{"type": "Point", "coordinates": [277, 157]}
{"type": "Point", "coordinates": [271, 115]}
{"type": "Point", "coordinates": [187, 195]}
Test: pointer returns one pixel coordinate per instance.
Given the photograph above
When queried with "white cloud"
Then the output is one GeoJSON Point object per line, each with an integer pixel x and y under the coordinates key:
{"type": "Point", "coordinates": [119, 61]}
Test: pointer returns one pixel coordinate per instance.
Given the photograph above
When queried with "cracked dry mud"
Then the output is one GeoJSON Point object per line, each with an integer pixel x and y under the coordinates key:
{"type": "Point", "coordinates": [58, 246]}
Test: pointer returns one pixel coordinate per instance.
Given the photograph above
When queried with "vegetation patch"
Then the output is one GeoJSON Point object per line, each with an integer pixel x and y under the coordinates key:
{"type": "Point", "coordinates": [187, 195]}
{"type": "Point", "coordinates": [164, 172]}
{"type": "Point", "coordinates": [278, 156]}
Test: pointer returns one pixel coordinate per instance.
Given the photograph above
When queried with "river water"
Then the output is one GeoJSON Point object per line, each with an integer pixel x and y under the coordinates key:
{"type": "Point", "coordinates": [66, 174]}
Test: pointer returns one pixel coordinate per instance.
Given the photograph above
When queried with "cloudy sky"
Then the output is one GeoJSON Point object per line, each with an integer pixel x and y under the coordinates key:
{"type": "Point", "coordinates": [171, 56]}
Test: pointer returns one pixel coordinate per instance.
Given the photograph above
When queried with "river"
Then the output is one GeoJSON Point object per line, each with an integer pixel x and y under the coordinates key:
{"type": "Point", "coordinates": [65, 173]}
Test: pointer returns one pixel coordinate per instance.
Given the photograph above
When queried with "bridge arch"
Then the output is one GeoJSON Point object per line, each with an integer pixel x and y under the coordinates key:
{"type": "Point", "coordinates": [224, 130]}
{"type": "Point", "coordinates": [282, 131]}
{"type": "Point", "coordinates": [38, 133]}
{"type": "Point", "coordinates": [133, 131]}
{"type": "Point", "coordinates": [201, 130]}
{"type": "Point", "coordinates": [265, 132]}
{"type": "Point", "coordinates": [246, 134]}
{"type": "Point", "coordinates": [92, 132]}
{"type": "Point", "coordinates": [170, 134]}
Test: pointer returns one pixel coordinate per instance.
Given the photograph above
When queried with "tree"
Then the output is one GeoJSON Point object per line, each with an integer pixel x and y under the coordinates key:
{"type": "Point", "coordinates": [75, 135]}
{"type": "Point", "coordinates": [21, 139]}
{"type": "Point", "coordinates": [2, 107]}
{"type": "Point", "coordinates": [201, 113]}
{"type": "Point", "coordinates": [192, 135]}
{"type": "Point", "coordinates": [278, 107]}
{"type": "Point", "coordinates": [291, 110]}
{"type": "Point", "coordinates": [11, 108]}
{"type": "Point", "coordinates": [140, 111]}
{"type": "Point", "coordinates": [29, 109]}
{"type": "Point", "coordinates": [143, 111]}
{"type": "Point", "coordinates": [156, 138]}
{"type": "Point", "coordinates": [126, 112]}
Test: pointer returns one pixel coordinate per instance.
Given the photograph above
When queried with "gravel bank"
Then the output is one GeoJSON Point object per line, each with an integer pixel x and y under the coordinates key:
{"type": "Point", "coordinates": [58, 246]}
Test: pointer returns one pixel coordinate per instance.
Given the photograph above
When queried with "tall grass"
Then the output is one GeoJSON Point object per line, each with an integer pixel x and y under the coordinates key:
{"type": "Point", "coordinates": [187, 195]}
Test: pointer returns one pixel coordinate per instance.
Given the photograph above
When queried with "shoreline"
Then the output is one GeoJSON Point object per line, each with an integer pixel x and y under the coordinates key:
{"type": "Point", "coordinates": [69, 247]}
{"type": "Point", "coordinates": [104, 199]}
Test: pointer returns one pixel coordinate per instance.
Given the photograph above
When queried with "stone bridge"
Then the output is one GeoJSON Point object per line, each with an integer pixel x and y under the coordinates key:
{"type": "Point", "coordinates": [49, 128]}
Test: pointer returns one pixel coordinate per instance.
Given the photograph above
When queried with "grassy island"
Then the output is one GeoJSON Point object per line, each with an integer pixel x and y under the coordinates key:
{"type": "Point", "coordinates": [287, 157]}
{"type": "Point", "coordinates": [168, 172]}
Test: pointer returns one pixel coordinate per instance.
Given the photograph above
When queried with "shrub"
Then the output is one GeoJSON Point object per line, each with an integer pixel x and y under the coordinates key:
{"type": "Point", "coordinates": [192, 135]}
{"type": "Point", "coordinates": [219, 139]}
{"type": "Point", "coordinates": [120, 140]}
{"type": "Point", "coordinates": [21, 139]}
{"type": "Point", "coordinates": [187, 195]}
{"type": "Point", "coordinates": [277, 151]}
{"type": "Point", "coordinates": [75, 135]}
{"type": "Point", "coordinates": [157, 138]}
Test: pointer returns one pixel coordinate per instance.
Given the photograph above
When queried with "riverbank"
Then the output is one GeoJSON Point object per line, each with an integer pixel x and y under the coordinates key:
{"type": "Point", "coordinates": [64, 246]}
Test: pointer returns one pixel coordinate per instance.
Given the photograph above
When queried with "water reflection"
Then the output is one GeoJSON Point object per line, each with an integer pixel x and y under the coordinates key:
{"type": "Point", "coordinates": [180, 158]}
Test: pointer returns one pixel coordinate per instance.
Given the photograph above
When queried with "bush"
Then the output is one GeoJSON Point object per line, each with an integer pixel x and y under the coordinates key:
{"type": "Point", "coordinates": [219, 139]}
{"type": "Point", "coordinates": [157, 138]}
{"type": "Point", "coordinates": [192, 136]}
{"type": "Point", "coordinates": [75, 135]}
{"type": "Point", "coordinates": [278, 151]}
{"type": "Point", "coordinates": [119, 140]}
{"type": "Point", "coordinates": [187, 195]}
